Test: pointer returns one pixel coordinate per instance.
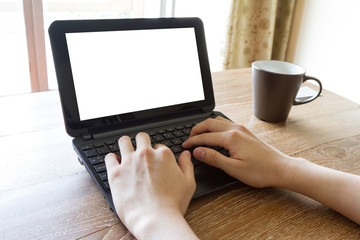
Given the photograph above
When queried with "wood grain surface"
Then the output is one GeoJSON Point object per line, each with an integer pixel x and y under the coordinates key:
{"type": "Point", "coordinates": [46, 194]}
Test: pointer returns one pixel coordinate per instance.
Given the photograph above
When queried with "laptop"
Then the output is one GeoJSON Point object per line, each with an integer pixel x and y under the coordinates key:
{"type": "Point", "coordinates": [122, 76]}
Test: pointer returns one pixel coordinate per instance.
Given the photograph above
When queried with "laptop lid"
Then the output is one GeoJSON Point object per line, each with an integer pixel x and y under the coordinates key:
{"type": "Point", "coordinates": [118, 73]}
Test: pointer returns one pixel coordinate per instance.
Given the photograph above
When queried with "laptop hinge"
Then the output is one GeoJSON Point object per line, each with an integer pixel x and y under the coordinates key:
{"type": "Point", "coordinates": [86, 137]}
{"type": "Point", "coordinates": [149, 125]}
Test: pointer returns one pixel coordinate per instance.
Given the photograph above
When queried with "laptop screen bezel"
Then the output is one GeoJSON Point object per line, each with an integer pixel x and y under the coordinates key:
{"type": "Point", "coordinates": [74, 126]}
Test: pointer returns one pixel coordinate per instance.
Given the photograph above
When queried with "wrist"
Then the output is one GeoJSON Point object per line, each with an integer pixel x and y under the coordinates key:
{"type": "Point", "coordinates": [291, 167]}
{"type": "Point", "coordinates": [163, 224]}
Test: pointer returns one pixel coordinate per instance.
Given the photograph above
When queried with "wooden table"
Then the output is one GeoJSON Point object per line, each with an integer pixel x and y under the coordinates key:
{"type": "Point", "coordinates": [45, 193]}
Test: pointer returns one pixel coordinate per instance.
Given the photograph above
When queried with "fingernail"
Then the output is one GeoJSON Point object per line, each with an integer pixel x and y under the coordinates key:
{"type": "Point", "coordinates": [187, 154]}
{"type": "Point", "coordinates": [108, 156]}
{"type": "Point", "coordinates": [199, 153]}
{"type": "Point", "coordinates": [112, 155]}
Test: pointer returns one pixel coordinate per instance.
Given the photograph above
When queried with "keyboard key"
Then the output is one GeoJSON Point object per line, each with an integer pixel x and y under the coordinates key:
{"type": "Point", "coordinates": [151, 133]}
{"type": "Point", "coordinates": [167, 143]}
{"type": "Point", "coordinates": [162, 131]}
{"type": "Point", "coordinates": [86, 147]}
{"type": "Point", "coordinates": [114, 148]}
{"type": "Point", "coordinates": [187, 131]}
{"type": "Point", "coordinates": [184, 138]}
{"type": "Point", "coordinates": [100, 167]}
{"type": "Point", "coordinates": [158, 138]}
{"type": "Point", "coordinates": [168, 136]}
{"type": "Point", "coordinates": [103, 176]}
{"type": "Point", "coordinates": [176, 141]}
{"type": "Point", "coordinates": [96, 145]}
{"type": "Point", "coordinates": [96, 160]}
{"type": "Point", "coordinates": [102, 150]}
{"type": "Point", "coordinates": [176, 149]}
{"type": "Point", "coordinates": [178, 133]}
{"type": "Point", "coordinates": [109, 142]}
{"type": "Point", "coordinates": [106, 183]}
{"type": "Point", "coordinates": [90, 153]}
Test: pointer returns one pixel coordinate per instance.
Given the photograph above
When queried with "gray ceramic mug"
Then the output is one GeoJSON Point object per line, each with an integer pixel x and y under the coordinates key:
{"type": "Point", "coordinates": [275, 86]}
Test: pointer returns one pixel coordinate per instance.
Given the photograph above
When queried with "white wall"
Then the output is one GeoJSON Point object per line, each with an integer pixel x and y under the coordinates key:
{"type": "Point", "coordinates": [326, 42]}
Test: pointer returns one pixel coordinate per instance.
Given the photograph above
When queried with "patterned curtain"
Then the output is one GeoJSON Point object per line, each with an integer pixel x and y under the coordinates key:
{"type": "Point", "coordinates": [258, 29]}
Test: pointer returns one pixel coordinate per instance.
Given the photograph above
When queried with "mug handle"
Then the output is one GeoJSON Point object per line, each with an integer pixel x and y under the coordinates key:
{"type": "Point", "coordinates": [313, 97]}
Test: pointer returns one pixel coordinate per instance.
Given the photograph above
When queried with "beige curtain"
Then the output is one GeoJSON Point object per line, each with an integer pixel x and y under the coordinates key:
{"type": "Point", "coordinates": [258, 29]}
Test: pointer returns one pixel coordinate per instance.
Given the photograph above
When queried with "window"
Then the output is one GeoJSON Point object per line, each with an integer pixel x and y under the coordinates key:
{"type": "Point", "coordinates": [14, 65]}
{"type": "Point", "coordinates": [26, 59]}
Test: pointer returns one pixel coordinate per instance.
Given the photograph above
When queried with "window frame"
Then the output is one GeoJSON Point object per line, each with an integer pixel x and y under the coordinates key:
{"type": "Point", "coordinates": [34, 25]}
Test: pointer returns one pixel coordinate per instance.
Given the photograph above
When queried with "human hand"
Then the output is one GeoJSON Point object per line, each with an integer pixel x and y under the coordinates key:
{"type": "Point", "coordinates": [251, 160]}
{"type": "Point", "coordinates": [258, 164]}
{"type": "Point", "coordinates": [149, 189]}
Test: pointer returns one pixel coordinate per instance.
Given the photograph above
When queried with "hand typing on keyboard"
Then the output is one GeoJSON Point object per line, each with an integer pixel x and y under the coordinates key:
{"type": "Point", "coordinates": [258, 164]}
{"type": "Point", "coordinates": [151, 191]}
{"type": "Point", "coordinates": [247, 152]}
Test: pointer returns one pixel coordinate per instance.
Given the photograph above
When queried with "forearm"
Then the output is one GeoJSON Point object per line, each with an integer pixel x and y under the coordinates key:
{"type": "Point", "coordinates": [335, 189]}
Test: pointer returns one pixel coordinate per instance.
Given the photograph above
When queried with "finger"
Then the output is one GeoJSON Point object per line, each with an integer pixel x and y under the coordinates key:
{"type": "Point", "coordinates": [186, 165]}
{"type": "Point", "coordinates": [125, 146]}
{"type": "Point", "coordinates": [142, 140]}
{"type": "Point", "coordinates": [158, 145]}
{"type": "Point", "coordinates": [223, 119]}
{"type": "Point", "coordinates": [210, 125]}
{"type": "Point", "coordinates": [187, 169]}
{"type": "Point", "coordinates": [211, 139]}
{"type": "Point", "coordinates": [111, 161]}
{"type": "Point", "coordinates": [214, 158]}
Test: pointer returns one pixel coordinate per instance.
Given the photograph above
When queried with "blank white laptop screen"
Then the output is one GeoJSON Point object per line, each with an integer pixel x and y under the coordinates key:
{"type": "Point", "coordinates": [118, 72]}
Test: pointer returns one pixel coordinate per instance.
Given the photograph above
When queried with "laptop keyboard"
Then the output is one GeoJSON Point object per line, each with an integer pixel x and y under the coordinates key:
{"type": "Point", "coordinates": [172, 137]}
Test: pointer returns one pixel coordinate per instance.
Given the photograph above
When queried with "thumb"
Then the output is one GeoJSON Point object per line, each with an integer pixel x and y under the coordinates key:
{"type": "Point", "coordinates": [212, 158]}
{"type": "Point", "coordinates": [186, 165]}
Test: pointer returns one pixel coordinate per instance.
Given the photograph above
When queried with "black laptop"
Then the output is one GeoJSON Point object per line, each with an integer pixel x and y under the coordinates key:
{"type": "Point", "coordinates": [121, 76]}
